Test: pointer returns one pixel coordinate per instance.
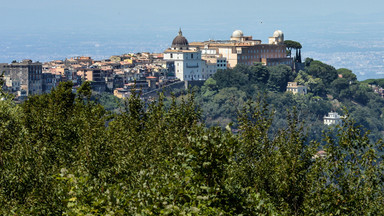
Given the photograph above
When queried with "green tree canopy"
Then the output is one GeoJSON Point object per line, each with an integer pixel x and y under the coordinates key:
{"type": "Point", "coordinates": [279, 77]}
{"type": "Point", "coordinates": [63, 154]}
{"type": "Point", "coordinates": [315, 85]}
{"type": "Point", "coordinates": [318, 69]}
{"type": "Point", "coordinates": [290, 44]}
{"type": "Point", "coordinates": [347, 74]}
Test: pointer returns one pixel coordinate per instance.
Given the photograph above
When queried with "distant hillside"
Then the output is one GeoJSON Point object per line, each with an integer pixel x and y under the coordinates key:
{"type": "Point", "coordinates": [378, 82]}
{"type": "Point", "coordinates": [223, 95]}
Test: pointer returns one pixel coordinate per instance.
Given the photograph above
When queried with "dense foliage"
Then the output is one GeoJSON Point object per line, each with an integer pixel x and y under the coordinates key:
{"type": "Point", "coordinates": [64, 154]}
{"type": "Point", "coordinates": [109, 101]}
{"type": "Point", "coordinates": [329, 89]}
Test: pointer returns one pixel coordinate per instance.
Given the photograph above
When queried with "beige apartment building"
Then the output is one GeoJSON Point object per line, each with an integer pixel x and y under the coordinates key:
{"type": "Point", "coordinates": [296, 89]}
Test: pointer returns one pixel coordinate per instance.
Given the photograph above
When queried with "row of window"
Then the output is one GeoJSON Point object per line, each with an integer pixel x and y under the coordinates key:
{"type": "Point", "coordinates": [38, 88]}
{"type": "Point", "coordinates": [34, 77]}
{"type": "Point", "coordinates": [297, 90]}
{"type": "Point", "coordinates": [258, 56]}
{"type": "Point", "coordinates": [187, 57]}
{"type": "Point", "coordinates": [197, 76]}
{"type": "Point", "coordinates": [207, 70]}
{"type": "Point", "coordinates": [198, 71]}
{"type": "Point", "coordinates": [264, 51]}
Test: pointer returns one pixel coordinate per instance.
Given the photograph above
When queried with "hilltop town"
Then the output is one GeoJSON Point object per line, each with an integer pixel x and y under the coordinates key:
{"type": "Point", "coordinates": [260, 132]}
{"type": "Point", "coordinates": [181, 62]}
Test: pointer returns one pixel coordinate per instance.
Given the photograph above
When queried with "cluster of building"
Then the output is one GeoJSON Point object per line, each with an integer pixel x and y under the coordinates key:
{"type": "Point", "coordinates": [200, 60]}
{"type": "Point", "coordinates": [377, 89]}
{"type": "Point", "coordinates": [183, 61]}
{"type": "Point", "coordinates": [118, 72]}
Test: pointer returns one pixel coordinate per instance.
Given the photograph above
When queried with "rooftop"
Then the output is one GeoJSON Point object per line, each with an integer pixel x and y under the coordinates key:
{"type": "Point", "coordinates": [179, 51]}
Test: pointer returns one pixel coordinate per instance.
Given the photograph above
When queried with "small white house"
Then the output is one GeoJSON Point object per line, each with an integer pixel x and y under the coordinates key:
{"type": "Point", "coordinates": [333, 118]}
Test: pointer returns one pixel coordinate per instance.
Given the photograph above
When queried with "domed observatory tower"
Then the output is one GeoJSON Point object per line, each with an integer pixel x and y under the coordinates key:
{"type": "Point", "coordinates": [237, 35]}
{"type": "Point", "coordinates": [277, 38]}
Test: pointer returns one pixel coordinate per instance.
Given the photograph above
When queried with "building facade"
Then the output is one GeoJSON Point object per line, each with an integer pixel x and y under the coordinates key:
{"type": "Point", "coordinates": [188, 63]}
{"type": "Point", "coordinates": [242, 49]}
{"type": "Point", "coordinates": [95, 76]}
{"type": "Point", "coordinates": [333, 118]}
{"type": "Point", "coordinates": [24, 78]}
{"type": "Point", "coordinates": [296, 89]}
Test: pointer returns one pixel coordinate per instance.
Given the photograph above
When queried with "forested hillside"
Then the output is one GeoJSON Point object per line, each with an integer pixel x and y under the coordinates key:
{"type": "Point", "coordinates": [65, 154]}
{"type": "Point", "coordinates": [223, 95]}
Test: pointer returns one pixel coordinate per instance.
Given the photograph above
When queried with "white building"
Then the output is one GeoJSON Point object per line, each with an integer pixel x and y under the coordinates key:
{"type": "Point", "coordinates": [188, 64]}
{"type": "Point", "coordinates": [333, 118]}
{"type": "Point", "coordinates": [211, 56]}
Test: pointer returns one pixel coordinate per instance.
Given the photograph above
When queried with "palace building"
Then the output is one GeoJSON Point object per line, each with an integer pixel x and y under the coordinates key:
{"type": "Point", "coordinates": [242, 49]}
{"type": "Point", "coordinates": [200, 60]}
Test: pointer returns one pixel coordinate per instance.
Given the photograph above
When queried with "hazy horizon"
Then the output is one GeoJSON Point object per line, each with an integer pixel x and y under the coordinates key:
{"type": "Point", "coordinates": [341, 33]}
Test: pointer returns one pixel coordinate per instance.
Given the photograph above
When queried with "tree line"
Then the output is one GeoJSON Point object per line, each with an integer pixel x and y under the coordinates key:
{"type": "Point", "coordinates": [63, 153]}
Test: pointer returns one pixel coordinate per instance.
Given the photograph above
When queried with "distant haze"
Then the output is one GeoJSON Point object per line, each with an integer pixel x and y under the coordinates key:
{"type": "Point", "coordinates": [341, 33]}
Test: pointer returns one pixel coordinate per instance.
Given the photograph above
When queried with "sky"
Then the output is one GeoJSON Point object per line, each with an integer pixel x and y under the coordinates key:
{"type": "Point", "coordinates": [46, 30]}
{"type": "Point", "coordinates": [155, 16]}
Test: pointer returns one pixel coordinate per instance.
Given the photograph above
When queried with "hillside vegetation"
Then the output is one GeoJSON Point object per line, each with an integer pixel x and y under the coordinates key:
{"type": "Point", "coordinates": [64, 154]}
{"type": "Point", "coordinates": [223, 95]}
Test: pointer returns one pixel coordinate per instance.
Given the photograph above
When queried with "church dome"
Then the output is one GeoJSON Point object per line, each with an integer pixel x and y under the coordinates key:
{"type": "Point", "coordinates": [237, 34]}
{"type": "Point", "coordinates": [180, 41]}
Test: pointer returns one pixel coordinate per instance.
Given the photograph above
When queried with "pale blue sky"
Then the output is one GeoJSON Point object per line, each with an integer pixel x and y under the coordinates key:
{"type": "Point", "coordinates": [56, 29]}
{"type": "Point", "coordinates": [198, 16]}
